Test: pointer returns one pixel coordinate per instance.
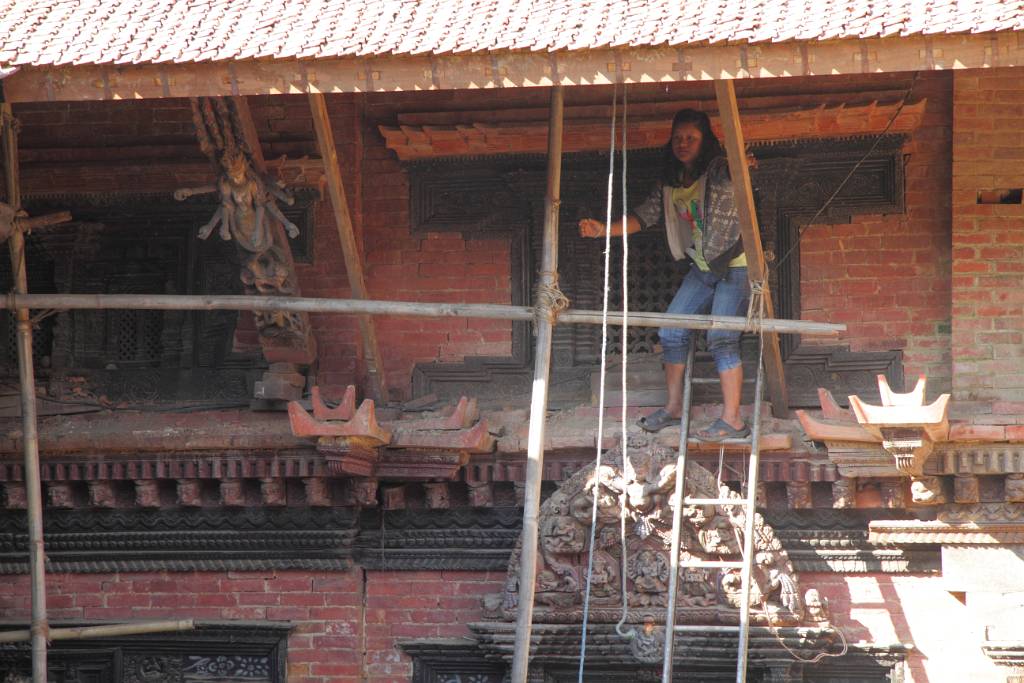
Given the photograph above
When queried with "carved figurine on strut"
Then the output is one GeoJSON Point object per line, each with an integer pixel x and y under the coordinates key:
{"type": "Point", "coordinates": [246, 196]}
{"type": "Point", "coordinates": [248, 214]}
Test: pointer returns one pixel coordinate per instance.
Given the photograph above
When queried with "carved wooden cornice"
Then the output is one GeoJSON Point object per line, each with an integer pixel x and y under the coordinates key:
{"type": "Point", "coordinates": [242, 539]}
{"type": "Point", "coordinates": [556, 643]}
{"type": "Point", "coordinates": [585, 130]}
{"type": "Point", "coordinates": [420, 540]}
{"type": "Point", "coordinates": [980, 524]}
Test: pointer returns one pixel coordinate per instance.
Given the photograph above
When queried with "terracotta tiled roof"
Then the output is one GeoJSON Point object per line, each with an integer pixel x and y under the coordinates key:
{"type": "Point", "coordinates": [41, 32]}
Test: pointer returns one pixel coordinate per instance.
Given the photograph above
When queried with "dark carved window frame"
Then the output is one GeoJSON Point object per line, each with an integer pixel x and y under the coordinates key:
{"type": "Point", "coordinates": [448, 661]}
{"type": "Point", "coordinates": [180, 349]}
{"type": "Point", "coordinates": [163, 657]}
{"type": "Point", "coordinates": [502, 196]}
{"type": "Point", "coordinates": [459, 661]}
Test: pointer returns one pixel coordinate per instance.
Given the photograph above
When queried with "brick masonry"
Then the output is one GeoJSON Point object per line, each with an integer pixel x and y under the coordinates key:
{"type": "Point", "coordinates": [347, 624]}
{"type": "Point", "coordinates": [988, 245]}
{"type": "Point", "coordinates": [915, 610]}
{"type": "Point", "coordinates": [887, 277]}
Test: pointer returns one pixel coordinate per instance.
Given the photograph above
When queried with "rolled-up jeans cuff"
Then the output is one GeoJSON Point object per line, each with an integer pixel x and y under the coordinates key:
{"type": "Point", "coordinates": [674, 356]}
{"type": "Point", "coordinates": [727, 360]}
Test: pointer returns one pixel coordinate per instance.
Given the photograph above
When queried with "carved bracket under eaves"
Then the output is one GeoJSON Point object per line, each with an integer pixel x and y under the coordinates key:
{"type": "Point", "coordinates": [907, 427]}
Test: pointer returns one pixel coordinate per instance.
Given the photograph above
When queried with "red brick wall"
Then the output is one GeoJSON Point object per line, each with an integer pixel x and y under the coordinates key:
{"type": "Point", "coordinates": [432, 266]}
{"type": "Point", "coordinates": [346, 623]}
{"type": "Point", "coordinates": [988, 245]}
{"type": "Point", "coordinates": [887, 277]}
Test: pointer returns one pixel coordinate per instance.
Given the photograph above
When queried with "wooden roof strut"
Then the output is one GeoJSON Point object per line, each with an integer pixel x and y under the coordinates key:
{"type": "Point", "coordinates": [349, 246]}
{"type": "Point", "coordinates": [725, 92]}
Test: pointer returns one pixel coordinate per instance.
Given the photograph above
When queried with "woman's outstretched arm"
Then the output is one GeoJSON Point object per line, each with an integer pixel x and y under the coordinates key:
{"type": "Point", "coordinates": [590, 227]}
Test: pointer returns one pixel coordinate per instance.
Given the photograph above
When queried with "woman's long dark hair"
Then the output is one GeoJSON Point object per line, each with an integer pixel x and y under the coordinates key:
{"type": "Point", "coordinates": [672, 168]}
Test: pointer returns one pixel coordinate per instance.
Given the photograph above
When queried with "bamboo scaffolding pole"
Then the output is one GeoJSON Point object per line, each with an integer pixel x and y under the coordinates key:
{"type": "Point", "coordinates": [757, 269]}
{"type": "Point", "coordinates": [539, 400]}
{"type": "Point", "coordinates": [201, 302]}
{"type": "Point", "coordinates": [30, 436]}
{"type": "Point", "coordinates": [349, 246]}
{"type": "Point", "coordinates": [105, 631]}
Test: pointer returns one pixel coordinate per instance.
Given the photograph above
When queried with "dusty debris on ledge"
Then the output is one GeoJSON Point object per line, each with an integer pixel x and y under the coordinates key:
{"type": "Point", "coordinates": [575, 428]}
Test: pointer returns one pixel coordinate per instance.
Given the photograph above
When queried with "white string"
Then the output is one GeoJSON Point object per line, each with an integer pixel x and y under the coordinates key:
{"type": "Point", "coordinates": [774, 630]}
{"type": "Point", "coordinates": [627, 466]}
{"type": "Point", "coordinates": [600, 399]}
{"type": "Point", "coordinates": [721, 465]}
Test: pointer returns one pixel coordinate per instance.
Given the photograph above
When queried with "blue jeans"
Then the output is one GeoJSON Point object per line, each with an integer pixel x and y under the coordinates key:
{"type": "Point", "coordinates": [701, 293]}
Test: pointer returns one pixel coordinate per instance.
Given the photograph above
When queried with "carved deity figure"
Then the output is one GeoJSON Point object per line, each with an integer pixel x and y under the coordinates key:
{"type": "Point", "coordinates": [246, 215]}
{"type": "Point", "coordinates": [817, 606]}
{"type": "Point", "coordinates": [650, 572]}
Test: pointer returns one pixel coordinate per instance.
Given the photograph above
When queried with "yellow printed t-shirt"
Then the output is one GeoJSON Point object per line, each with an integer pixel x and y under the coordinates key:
{"type": "Point", "coordinates": [687, 201]}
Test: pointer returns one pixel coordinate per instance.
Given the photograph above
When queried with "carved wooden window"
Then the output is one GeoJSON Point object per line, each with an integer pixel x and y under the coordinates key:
{"type": "Point", "coordinates": [212, 653]}
{"type": "Point", "coordinates": [138, 244]}
{"type": "Point", "coordinates": [447, 662]}
{"type": "Point", "coordinates": [793, 180]}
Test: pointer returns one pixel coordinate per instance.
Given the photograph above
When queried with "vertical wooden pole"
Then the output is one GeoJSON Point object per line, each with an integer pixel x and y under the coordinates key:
{"type": "Point", "coordinates": [349, 247]}
{"type": "Point", "coordinates": [735, 147]}
{"type": "Point", "coordinates": [30, 438]}
{"type": "Point", "coordinates": [539, 402]}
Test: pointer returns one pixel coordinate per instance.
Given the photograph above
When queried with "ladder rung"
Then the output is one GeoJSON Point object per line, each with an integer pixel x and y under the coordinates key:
{"type": "Point", "coordinates": [715, 501]}
{"type": "Point", "coordinates": [714, 564]}
{"type": "Point", "coordinates": [706, 629]}
{"type": "Point", "coordinates": [713, 380]}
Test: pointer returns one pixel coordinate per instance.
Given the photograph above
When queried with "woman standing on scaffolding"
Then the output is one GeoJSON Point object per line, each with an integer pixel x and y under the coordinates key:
{"type": "Point", "coordinates": [694, 201]}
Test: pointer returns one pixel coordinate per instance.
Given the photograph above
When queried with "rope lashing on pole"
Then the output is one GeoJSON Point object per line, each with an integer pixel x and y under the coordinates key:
{"type": "Point", "coordinates": [756, 308]}
{"type": "Point", "coordinates": [550, 299]}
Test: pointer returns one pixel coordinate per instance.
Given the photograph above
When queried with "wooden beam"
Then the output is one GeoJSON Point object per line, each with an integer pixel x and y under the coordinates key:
{"type": "Point", "coordinates": [105, 631]}
{"type": "Point", "coordinates": [735, 147]}
{"type": "Point", "coordinates": [514, 69]}
{"type": "Point", "coordinates": [349, 246]}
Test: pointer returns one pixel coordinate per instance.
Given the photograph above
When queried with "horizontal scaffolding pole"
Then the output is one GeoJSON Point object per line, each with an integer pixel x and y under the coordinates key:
{"type": "Point", "coordinates": [182, 302]}
{"type": "Point", "coordinates": [105, 631]}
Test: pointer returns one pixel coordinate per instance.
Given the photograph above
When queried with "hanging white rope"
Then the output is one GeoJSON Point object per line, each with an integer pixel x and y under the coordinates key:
{"type": "Point", "coordinates": [603, 374]}
{"type": "Point", "coordinates": [627, 466]}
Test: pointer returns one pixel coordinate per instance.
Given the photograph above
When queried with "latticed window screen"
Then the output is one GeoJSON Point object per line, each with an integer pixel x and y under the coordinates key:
{"type": "Point", "coordinates": [137, 335]}
{"type": "Point", "coordinates": [654, 278]}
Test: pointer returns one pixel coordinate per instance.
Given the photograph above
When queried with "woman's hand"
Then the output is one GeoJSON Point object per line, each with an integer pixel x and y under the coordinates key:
{"type": "Point", "coordinates": [591, 228]}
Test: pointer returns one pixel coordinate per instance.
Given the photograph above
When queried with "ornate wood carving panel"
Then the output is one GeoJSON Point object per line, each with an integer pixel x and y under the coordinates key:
{"type": "Point", "coordinates": [245, 653]}
{"type": "Point", "coordinates": [184, 539]}
{"type": "Point", "coordinates": [503, 195]}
